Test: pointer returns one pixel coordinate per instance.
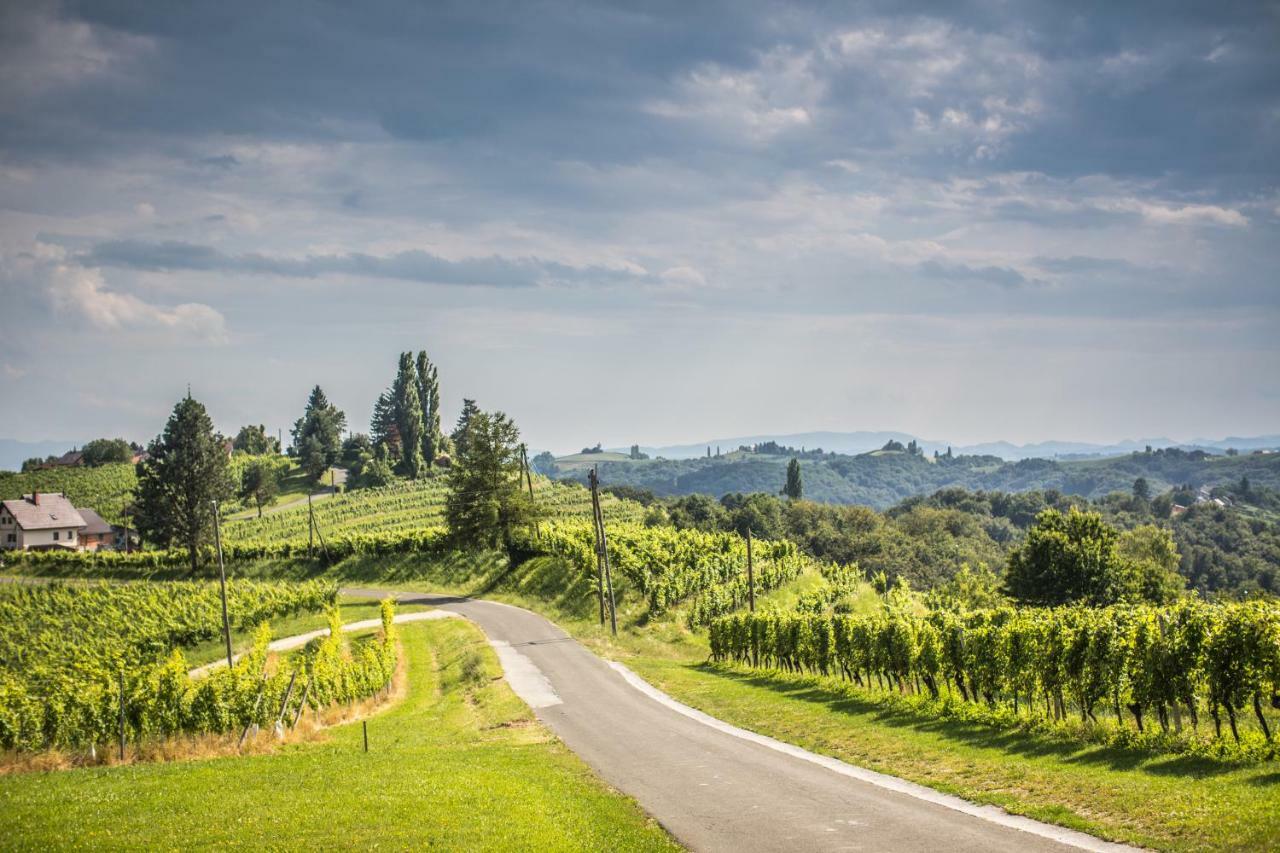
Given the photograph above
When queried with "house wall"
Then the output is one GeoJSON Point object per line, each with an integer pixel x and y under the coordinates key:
{"type": "Point", "coordinates": [94, 542]}
{"type": "Point", "coordinates": [34, 538]}
{"type": "Point", "coordinates": [8, 528]}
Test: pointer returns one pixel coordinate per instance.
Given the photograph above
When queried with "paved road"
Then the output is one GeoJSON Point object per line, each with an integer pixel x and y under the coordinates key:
{"type": "Point", "coordinates": [716, 788]}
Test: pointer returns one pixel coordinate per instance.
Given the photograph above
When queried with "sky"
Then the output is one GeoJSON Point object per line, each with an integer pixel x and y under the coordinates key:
{"type": "Point", "coordinates": [647, 223]}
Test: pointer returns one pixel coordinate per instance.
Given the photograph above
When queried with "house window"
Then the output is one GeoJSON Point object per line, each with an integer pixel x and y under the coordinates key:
{"type": "Point", "coordinates": [55, 536]}
{"type": "Point", "coordinates": [13, 537]}
{"type": "Point", "coordinates": [71, 534]}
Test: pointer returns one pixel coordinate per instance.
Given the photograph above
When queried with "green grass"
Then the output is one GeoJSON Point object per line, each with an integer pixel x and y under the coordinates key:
{"type": "Point", "coordinates": [353, 610]}
{"type": "Point", "coordinates": [460, 763]}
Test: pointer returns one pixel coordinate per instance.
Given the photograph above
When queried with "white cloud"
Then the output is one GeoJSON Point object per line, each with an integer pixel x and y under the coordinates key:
{"type": "Point", "coordinates": [79, 294]}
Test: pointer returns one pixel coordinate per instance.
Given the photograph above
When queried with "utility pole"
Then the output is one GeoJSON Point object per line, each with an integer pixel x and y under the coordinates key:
{"type": "Point", "coordinates": [603, 545]}
{"type": "Point", "coordinates": [126, 526]}
{"type": "Point", "coordinates": [751, 576]}
{"type": "Point", "coordinates": [595, 525]}
{"type": "Point", "coordinates": [311, 525]}
{"type": "Point", "coordinates": [222, 580]}
{"type": "Point", "coordinates": [528, 478]}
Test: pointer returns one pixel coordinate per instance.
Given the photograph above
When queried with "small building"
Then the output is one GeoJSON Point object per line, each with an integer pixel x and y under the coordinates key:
{"type": "Point", "coordinates": [40, 520]}
{"type": "Point", "coordinates": [97, 534]}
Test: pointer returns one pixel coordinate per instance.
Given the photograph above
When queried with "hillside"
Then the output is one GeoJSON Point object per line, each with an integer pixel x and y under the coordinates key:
{"type": "Point", "coordinates": [881, 479]}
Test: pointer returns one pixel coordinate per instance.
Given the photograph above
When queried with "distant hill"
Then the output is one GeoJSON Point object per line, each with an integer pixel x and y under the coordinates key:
{"type": "Point", "coordinates": [881, 479]}
{"type": "Point", "coordinates": [864, 441]}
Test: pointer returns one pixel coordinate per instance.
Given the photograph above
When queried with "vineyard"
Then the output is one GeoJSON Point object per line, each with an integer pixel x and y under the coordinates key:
{"type": "Point", "coordinates": [406, 506]}
{"type": "Point", "coordinates": [72, 656]}
{"type": "Point", "coordinates": [668, 566]}
{"type": "Point", "coordinates": [1142, 666]}
{"type": "Point", "coordinates": [105, 489]}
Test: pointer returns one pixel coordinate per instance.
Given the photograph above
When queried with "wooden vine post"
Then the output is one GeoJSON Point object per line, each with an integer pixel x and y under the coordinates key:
{"type": "Point", "coordinates": [222, 581]}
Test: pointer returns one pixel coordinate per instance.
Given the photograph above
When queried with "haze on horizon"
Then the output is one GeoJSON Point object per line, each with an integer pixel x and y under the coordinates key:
{"type": "Point", "coordinates": [970, 222]}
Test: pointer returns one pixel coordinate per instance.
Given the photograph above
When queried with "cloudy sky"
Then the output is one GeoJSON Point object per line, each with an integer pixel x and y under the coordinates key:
{"type": "Point", "coordinates": [645, 222]}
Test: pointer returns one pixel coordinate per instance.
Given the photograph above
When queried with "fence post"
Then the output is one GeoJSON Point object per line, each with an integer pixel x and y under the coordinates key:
{"type": "Point", "coordinates": [122, 713]}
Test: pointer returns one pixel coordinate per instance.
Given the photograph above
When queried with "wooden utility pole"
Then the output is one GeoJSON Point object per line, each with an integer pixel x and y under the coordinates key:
{"type": "Point", "coordinates": [751, 575]}
{"type": "Point", "coordinates": [595, 525]}
{"type": "Point", "coordinates": [528, 478]}
{"type": "Point", "coordinates": [602, 543]}
{"type": "Point", "coordinates": [126, 527]}
{"type": "Point", "coordinates": [222, 580]}
{"type": "Point", "coordinates": [311, 525]}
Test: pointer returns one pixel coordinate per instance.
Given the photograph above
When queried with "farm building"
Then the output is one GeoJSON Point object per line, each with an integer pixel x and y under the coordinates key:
{"type": "Point", "coordinates": [46, 521]}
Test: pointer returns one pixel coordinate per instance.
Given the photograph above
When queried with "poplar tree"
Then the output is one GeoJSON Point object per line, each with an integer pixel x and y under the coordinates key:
{"type": "Point", "coordinates": [409, 417]}
{"type": "Point", "coordinates": [186, 472]}
{"type": "Point", "coordinates": [429, 396]}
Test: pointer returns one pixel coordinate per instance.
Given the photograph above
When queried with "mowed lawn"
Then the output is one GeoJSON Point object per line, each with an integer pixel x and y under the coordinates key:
{"type": "Point", "coordinates": [459, 763]}
{"type": "Point", "coordinates": [1164, 802]}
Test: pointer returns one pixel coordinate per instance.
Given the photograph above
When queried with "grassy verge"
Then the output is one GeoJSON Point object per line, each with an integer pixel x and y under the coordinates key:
{"type": "Point", "coordinates": [461, 763]}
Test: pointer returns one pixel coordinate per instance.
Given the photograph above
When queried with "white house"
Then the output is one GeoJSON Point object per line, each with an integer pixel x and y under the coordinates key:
{"type": "Point", "coordinates": [40, 520]}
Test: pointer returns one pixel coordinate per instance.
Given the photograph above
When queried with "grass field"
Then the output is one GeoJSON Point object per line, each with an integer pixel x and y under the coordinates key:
{"type": "Point", "coordinates": [460, 763]}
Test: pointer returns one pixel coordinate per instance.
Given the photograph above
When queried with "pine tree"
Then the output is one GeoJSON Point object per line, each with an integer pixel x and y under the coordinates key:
{"type": "Point", "coordinates": [459, 435]}
{"type": "Point", "coordinates": [385, 433]}
{"type": "Point", "coordinates": [486, 503]}
{"type": "Point", "coordinates": [794, 488]}
{"type": "Point", "coordinates": [409, 417]}
{"type": "Point", "coordinates": [429, 396]}
{"type": "Point", "coordinates": [317, 435]}
{"type": "Point", "coordinates": [177, 485]}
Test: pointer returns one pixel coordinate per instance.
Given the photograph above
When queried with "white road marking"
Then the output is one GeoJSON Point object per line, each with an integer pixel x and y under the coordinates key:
{"type": "Point", "coordinates": [992, 814]}
{"type": "Point", "coordinates": [525, 678]}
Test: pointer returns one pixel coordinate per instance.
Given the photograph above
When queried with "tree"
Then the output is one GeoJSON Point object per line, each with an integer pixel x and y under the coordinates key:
{"type": "Point", "coordinates": [1070, 558]}
{"type": "Point", "coordinates": [384, 432]}
{"type": "Point", "coordinates": [102, 451]}
{"type": "Point", "coordinates": [260, 483]}
{"type": "Point", "coordinates": [429, 397]}
{"type": "Point", "coordinates": [458, 436]}
{"type": "Point", "coordinates": [1141, 489]}
{"type": "Point", "coordinates": [1153, 559]}
{"type": "Point", "coordinates": [317, 435]}
{"type": "Point", "coordinates": [404, 395]}
{"type": "Point", "coordinates": [177, 485]}
{"type": "Point", "coordinates": [254, 441]}
{"type": "Point", "coordinates": [486, 502]}
{"type": "Point", "coordinates": [794, 488]}
{"type": "Point", "coordinates": [355, 447]}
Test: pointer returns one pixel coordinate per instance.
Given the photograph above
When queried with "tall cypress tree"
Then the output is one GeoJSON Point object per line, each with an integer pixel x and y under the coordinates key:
{"type": "Point", "coordinates": [177, 485]}
{"type": "Point", "coordinates": [409, 417]}
{"type": "Point", "coordinates": [429, 396]}
{"type": "Point", "coordinates": [794, 488]}
{"type": "Point", "coordinates": [385, 431]}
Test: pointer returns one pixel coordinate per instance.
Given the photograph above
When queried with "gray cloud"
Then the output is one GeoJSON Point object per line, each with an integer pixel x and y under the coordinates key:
{"type": "Point", "coordinates": [412, 265]}
{"type": "Point", "coordinates": [1001, 276]}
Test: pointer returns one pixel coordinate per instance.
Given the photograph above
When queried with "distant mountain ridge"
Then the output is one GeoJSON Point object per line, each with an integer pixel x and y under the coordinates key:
{"type": "Point", "coordinates": [864, 441]}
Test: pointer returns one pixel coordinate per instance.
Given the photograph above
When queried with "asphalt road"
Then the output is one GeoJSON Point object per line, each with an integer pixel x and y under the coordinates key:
{"type": "Point", "coordinates": [716, 788]}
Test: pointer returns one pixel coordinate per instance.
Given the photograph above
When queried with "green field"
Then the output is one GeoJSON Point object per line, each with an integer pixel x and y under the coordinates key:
{"type": "Point", "coordinates": [460, 763]}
